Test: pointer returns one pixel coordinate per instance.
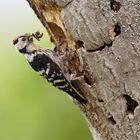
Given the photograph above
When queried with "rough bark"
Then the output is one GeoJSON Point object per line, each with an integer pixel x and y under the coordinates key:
{"type": "Point", "coordinates": [102, 38]}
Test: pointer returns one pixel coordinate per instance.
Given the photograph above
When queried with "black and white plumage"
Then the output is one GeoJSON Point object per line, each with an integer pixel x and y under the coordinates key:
{"type": "Point", "coordinates": [44, 61]}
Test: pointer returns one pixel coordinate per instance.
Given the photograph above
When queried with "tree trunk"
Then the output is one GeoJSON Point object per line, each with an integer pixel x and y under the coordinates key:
{"type": "Point", "coordinates": [101, 43]}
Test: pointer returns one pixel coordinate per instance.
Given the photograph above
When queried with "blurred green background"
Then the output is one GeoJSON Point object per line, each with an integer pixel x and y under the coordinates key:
{"type": "Point", "coordinates": [31, 109]}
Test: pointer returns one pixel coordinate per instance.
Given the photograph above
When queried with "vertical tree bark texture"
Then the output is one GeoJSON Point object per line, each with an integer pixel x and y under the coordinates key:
{"type": "Point", "coordinates": [102, 38]}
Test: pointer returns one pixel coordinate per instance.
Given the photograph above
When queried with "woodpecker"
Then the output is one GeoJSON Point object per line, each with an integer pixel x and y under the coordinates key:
{"type": "Point", "coordinates": [45, 62]}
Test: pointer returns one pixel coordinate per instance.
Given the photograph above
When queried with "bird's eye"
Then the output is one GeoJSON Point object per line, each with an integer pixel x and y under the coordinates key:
{"type": "Point", "coordinates": [23, 39]}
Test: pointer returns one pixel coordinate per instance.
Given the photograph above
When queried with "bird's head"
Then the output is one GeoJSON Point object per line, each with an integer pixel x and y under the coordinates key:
{"type": "Point", "coordinates": [24, 43]}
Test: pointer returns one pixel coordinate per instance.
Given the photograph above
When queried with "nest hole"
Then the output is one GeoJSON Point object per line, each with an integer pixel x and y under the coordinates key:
{"type": "Point", "coordinates": [117, 29]}
{"type": "Point", "coordinates": [88, 80]}
{"type": "Point", "coordinates": [79, 44]}
{"type": "Point", "coordinates": [131, 103]}
{"type": "Point", "coordinates": [112, 120]}
{"type": "Point", "coordinates": [115, 6]}
{"type": "Point", "coordinates": [100, 100]}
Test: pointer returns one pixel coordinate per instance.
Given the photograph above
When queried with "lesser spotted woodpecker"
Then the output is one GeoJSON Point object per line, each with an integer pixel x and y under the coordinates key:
{"type": "Point", "coordinates": [44, 61]}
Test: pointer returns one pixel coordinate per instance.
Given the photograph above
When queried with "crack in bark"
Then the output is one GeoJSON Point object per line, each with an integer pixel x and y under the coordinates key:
{"type": "Point", "coordinates": [102, 47]}
{"type": "Point", "coordinates": [135, 49]}
{"type": "Point", "coordinates": [117, 31]}
{"type": "Point", "coordinates": [68, 3]}
{"type": "Point", "coordinates": [110, 71]}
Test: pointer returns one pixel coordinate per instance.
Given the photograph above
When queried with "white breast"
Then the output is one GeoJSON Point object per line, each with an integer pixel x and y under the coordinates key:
{"type": "Point", "coordinates": [30, 57]}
